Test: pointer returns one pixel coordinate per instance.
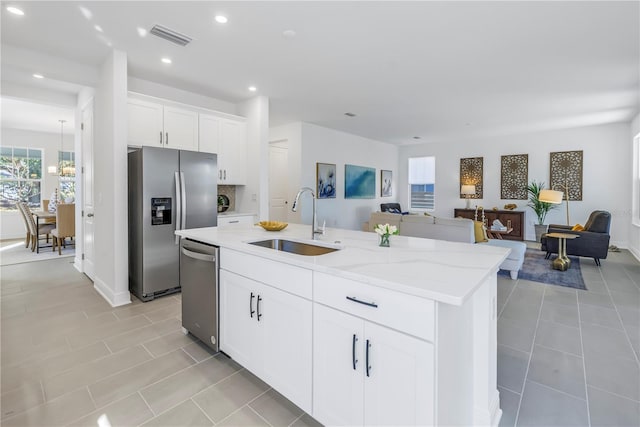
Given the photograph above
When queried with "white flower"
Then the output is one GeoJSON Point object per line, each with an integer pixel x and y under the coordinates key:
{"type": "Point", "coordinates": [385, 229]}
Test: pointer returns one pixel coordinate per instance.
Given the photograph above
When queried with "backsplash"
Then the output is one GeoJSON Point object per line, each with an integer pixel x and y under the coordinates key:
{"type": "Point", "coordinates": [230, 192]}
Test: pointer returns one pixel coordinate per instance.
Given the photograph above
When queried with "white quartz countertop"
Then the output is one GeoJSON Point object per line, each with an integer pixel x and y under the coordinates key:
{"type": "Point", "coordinates": [234, 213]}
{"type": "Point", "coordinates": [448, 272]}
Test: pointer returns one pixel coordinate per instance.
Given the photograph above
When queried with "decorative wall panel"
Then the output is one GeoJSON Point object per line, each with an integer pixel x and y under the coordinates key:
{"type": "Point", "coordinates": [471, 172]}
{"type": "Point", "coordinates": [566, 173]}
{"type": "Point", "coordinates": [514, 176]}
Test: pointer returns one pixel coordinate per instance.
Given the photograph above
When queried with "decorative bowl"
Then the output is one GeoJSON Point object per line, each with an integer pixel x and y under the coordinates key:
{"type": "Point", "coordinates": [272, 225]}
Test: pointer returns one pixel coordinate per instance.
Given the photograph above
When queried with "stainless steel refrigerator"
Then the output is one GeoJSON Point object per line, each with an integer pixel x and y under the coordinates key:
{"type": "Point", "coordinates": [168, 190]}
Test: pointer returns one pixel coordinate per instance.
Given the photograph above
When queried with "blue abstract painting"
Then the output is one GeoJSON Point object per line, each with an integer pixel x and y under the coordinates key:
{"type": "Point", "coordinates": [359, 182]}
{"type": "Point", "coordinates": [326, 180]}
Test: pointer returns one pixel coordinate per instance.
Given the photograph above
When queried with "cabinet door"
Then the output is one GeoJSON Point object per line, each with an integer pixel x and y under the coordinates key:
{"type": "Point", "coordinates": [180, 129]}
{"type": "Point", "coordinates": [233, 152]}
{"type": "Point", "coordinates": [399, 387]}
{"type": "Point", "coordinates": [239, 333]}
{"type": "Point", "coordinates": [338, 397]}
{"type": "Point", "coordinates": [286, 325]}
{"type": "Point", "coordinates": [209, 134]}
{"type": "Point", "coordinates": [144, 123]}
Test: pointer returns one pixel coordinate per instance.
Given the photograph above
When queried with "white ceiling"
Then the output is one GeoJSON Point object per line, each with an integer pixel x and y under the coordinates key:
{"type": "Point", "coordinates": [26, 115]}
{"type": "Point", "coordinates": [442, 71]}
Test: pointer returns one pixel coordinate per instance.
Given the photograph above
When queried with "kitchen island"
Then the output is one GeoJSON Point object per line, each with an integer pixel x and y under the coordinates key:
{"type": "Point", "coordinates": [365, 334]}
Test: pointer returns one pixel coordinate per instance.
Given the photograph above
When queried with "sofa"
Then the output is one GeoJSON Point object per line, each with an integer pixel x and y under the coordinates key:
{"type": "Point", "coordinates": [450, 229]}
{"type": "Point", "coordinates": [593, 241]}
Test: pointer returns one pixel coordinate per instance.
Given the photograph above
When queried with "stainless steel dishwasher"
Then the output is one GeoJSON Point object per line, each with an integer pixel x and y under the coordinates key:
{"type": "Point", "coordinates": [199, 282]}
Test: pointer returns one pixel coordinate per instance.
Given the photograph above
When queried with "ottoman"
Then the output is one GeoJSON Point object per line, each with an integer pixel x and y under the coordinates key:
{"type": "Point", "coordinates": [515, 259]}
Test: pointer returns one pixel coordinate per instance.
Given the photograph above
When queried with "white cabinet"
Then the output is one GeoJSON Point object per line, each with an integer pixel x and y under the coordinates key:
{"type": "Point", "coordinates": [268, 331]}
{"type": "Point", "coordinates": [224, 221]}
{"type": "Point", "coordinates": [227, 138]}
{"type": "Point", "coordinates": [158, 125]}
{"type": "Point", "coordinates": [366, 374]}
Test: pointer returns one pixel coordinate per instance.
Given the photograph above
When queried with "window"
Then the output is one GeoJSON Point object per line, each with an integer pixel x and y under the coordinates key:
{"type": "Point", "coordinates": [422, 183]}
{"type": "Point", "coordinates": [635, 217]}
{"type": "Point", "coordinates": [67, 177]}
{"type": "Point", "coordinates": [20, 177]}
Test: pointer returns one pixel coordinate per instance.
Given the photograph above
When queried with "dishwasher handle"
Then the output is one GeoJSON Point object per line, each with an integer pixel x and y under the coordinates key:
{"type": "Point", "coordinates": [199, 256]}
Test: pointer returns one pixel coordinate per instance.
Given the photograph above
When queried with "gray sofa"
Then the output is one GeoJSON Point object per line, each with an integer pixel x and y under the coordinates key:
{"type": "Point", "coordinates": [450, 229]}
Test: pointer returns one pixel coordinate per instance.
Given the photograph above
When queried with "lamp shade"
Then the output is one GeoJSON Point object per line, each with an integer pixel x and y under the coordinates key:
{"type": "Point", "coordinates": [52, 170]}
{"type": "Point", "coordinates": [468, 189]}
{"type": "Point", "coordinates": [550, 196]}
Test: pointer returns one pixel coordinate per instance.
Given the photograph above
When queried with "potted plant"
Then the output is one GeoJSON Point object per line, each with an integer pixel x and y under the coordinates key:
{"type": "Point", "coordinates": [540, 208]}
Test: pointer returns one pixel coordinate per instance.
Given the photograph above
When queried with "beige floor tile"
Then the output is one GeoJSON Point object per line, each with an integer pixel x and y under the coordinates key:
{"type": "Point", "coordinates": [21, 399]}
{"type": "Point", "coordinates": [13, 355]}
{"type": "Point", "coordinates": [226, 397]}
{"type": "Point", "coordinates": [60, 411]}
{"type": "Point", "coordinates": [131, 338]}
{"type": "Point", "coordinates": [52, 366]}
{"type": "Point", "coordinates": [306, 421]}
{"type": "Point", "coordinates": [167, 343]}
{"type": "Point", "coordinates": [90, 373]}
{"type": "Point", "coordinates": [133, 379]}
{"type": "Point", "coordinates": [186, 414]}
{"type": "Point", "coordinates": [184, 384]}
{"type": "Point", "coordinates": [245, 417]}
{"type": "Point", "coordinates": [274, 408]}
{"type": "Point", "coordinates": [198, 351]}
{"type": "Point", "coordinates": [137, 307]}
{"type": "Point", "coordinates": [169, 312]}
{"type": "Point", "coordinates": [89, 335]}
{"type": "Point", "coordinates": [130, 411]}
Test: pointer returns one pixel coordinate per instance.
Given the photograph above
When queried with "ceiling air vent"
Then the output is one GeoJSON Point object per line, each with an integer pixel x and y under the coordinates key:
{"type": "Point", "coordinates": [170, 35]}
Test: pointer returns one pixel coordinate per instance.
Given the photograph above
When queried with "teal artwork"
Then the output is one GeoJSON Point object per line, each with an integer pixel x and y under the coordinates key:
{"type": "Point", "coordinates": [359, 182]}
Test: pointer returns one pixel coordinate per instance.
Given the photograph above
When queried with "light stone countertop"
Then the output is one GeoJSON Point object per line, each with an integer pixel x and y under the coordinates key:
{"type": "Point", "coordinates": [448, 272]}
{"type": "Point", "coordinates": [235, 213]}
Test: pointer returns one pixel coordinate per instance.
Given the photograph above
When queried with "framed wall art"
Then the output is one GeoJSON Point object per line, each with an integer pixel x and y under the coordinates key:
{"type": "Point", "coordinates": [359, 182]}
{"type": "Point", "coordinates": [471, 172]}
{"type": "Point", "coordinates": [385, 183]}
{"type": "Point", "coordinates": [514, 176]}
{"type": "Point", "coordinates": [326, 180]}
{"type": "Point", "coordinates": [566, 173]}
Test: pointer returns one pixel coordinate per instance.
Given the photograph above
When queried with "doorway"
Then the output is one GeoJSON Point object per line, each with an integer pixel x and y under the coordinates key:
{"type": "Point", "coordinates": [278, 180]}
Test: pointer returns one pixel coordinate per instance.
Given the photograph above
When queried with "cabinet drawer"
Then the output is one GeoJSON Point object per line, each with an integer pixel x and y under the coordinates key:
{"type": "Point", "coordinates": [234, 220]}
{"type": "Point", "coordinates": [289, 278]}
{"type": "Point", "coordinates": [406, 313]}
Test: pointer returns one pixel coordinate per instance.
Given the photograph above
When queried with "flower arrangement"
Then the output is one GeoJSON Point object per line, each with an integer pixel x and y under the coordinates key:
{"type": "Point", "coordinates": [384, 231]}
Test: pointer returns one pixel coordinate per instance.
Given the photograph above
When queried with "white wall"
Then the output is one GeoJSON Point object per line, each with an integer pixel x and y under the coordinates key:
{"type": "Point", "coordinates": [606, 169]}
{"type": "Point", "coordinates": [634, 227]}
{"type": "Point", "coordinates": [167, 92]}
{"type": "Point", "coordinates": [110, 181]}
{"type": "Point", "coordinates": [254, 196]}
{"type": "Point", "coordinates": [11, 223]}
{"type": "Point", "coordinates": [320, 144]}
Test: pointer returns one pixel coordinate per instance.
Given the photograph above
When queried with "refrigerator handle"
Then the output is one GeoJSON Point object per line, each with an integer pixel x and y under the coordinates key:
{"type": "Point", "coordinates": [178, 206]}
{"type": "Point", "coordinates": [183, 209]}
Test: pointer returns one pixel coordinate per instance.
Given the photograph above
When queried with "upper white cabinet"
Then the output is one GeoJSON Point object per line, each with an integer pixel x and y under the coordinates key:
{"type": "Point", "coordinates": [228, 139]}
{"type": "Point", "coordinates": [158, 125]}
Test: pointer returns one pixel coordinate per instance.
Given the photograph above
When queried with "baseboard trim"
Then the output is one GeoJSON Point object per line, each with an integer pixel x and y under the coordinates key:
{"type": "Point", "coordinates": [490, 416]}
{"type": "Point", "coordinates": [114, 299]}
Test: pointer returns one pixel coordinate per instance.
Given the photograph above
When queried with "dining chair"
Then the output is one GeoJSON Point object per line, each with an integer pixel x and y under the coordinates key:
{"type": "Point", "coordinates": [45, 207]}
{"type": "Point", "coordinates": [65, 225]}
{"type": "Point", "coordinates": [27, 240]}
{"type": "Point", "coordinates": [45, 229]}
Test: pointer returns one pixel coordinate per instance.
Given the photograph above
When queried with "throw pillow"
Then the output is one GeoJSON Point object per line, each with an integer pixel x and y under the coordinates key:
{"type": "Point", "coordinates": [577, 227]}
{"type": "Point", "coordinates": [479, 232]}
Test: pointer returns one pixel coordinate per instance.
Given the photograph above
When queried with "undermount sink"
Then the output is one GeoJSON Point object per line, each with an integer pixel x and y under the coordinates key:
{"type": "Point", "coordinates": [298, 248]}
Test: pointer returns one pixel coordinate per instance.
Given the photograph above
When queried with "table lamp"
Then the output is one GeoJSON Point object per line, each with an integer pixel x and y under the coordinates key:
{"type": "Point", "coordinates": [467, 191]}
{"type": "Point", "coordinates": [553, 197]}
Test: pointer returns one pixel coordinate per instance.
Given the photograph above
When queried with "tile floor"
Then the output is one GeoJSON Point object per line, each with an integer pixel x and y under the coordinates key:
{"type": "Point", "coordinates": [565, 357]}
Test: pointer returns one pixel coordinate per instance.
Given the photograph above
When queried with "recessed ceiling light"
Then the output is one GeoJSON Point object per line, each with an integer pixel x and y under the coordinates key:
{"type": "Point", "coordinates": [252, 88]}
{"type": "Point", "coordinates": [289, 33]}
{"type": "Point", "coordinates": [15, 10]}
{"type": "Point", "coordinates": [166, 60]}
{"type": "Point", "coordinates": [38, 76]}
{"type": "Point", "coordinates": [142, 32]}
{"type": "Point", "coordinates": [220, 19]}
{"type": "Point", "coordinates": [98, 28]}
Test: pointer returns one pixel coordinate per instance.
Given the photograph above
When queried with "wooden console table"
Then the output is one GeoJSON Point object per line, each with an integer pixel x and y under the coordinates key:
{"type": "Point", "coordinates": [516, 218]}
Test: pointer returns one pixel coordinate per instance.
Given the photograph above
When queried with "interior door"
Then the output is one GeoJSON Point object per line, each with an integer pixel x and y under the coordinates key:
{"type": "Point", "coordinates": [87, 192]}
{"type": "Point", "coordinates": [278, 182]}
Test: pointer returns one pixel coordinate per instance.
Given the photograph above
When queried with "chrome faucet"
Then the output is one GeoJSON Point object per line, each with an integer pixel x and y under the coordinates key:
{"type": "Point", "coordinates": [314, 230]}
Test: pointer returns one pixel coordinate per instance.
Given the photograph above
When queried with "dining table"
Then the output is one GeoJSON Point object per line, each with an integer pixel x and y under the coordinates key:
{"type": "Point", "coordinates": [40, 217]}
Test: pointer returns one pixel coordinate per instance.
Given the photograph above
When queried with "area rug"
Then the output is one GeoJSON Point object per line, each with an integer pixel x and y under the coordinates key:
{"type": "Point", "coordinates": [538, 269]}
{"type": "Point", "coordinates": [16, 253]}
